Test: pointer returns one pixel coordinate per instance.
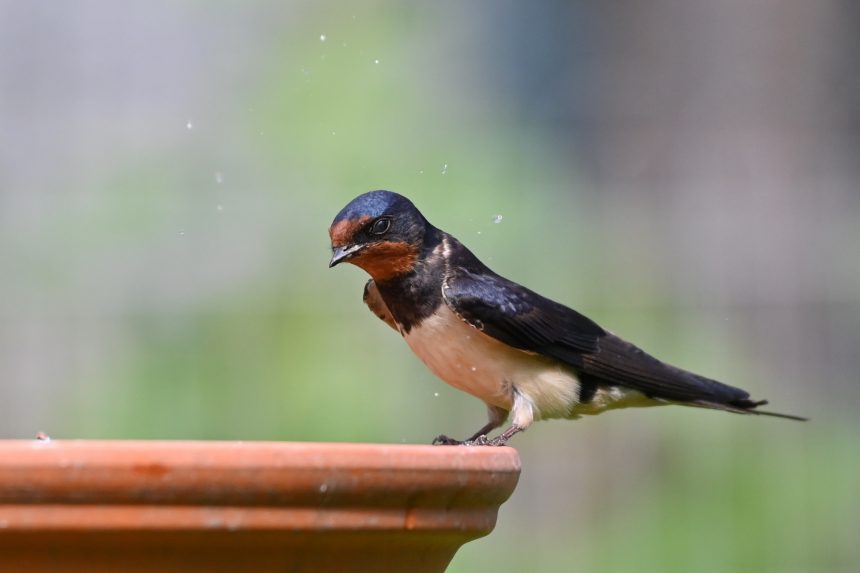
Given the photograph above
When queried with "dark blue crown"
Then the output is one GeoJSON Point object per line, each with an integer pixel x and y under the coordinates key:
{"type": "Point", "coordinates": [374, 204]}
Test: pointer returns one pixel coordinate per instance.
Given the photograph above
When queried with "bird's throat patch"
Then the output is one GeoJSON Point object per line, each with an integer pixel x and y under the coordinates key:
{"type": "Point", "coordinates": [386, 260]}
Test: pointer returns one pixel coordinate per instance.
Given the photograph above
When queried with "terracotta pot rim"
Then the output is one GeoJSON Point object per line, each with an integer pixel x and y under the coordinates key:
{"type": "Point", "coordinates": [102, 506]}
{"type": "Point", "coordinates": [145, 485]}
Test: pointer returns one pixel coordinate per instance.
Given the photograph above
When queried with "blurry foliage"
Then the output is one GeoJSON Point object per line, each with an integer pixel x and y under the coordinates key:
{"type": "Point", "coordinates": [224, 322]}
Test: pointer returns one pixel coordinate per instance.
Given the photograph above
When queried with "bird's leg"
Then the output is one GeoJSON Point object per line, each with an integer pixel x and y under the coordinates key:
{"type": "Point", "coordinates": [497, 418]}
{"type": "Point", "coordinates": [523, 414]}
{"type": "Point", "coordinates": [485, 429]}
{"type": "Point", "coordinates": [503, 438]}
{"type": "Point", "coordinates": [479, 436]}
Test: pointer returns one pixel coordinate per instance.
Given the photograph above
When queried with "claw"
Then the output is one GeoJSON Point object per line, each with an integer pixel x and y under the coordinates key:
{"type": "Point", "coordinates": [443, 440]}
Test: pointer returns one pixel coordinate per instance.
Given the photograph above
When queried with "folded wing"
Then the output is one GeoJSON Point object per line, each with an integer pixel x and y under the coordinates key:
{"type": "Point", "coordinates": [526, 320]}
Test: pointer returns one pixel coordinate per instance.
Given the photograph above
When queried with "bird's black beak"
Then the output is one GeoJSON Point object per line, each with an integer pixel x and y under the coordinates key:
{"type": "Point", "coordinates": [341, 254]}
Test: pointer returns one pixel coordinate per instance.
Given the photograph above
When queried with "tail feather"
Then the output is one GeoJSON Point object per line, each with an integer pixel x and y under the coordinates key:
{"type": "Point", "coordinates": [743, 406]}
{"type": "Point", "coordinates": [623, 364]}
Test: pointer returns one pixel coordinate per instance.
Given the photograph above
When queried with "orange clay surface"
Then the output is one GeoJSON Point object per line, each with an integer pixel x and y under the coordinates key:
{"type": "Point", "coordinates": [244, 506]}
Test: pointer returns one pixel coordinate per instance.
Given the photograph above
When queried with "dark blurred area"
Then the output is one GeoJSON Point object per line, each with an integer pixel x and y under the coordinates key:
{"type": "Point", "coordinates": [685, 173]}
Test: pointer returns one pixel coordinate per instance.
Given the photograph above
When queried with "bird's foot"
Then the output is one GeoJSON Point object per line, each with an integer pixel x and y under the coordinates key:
{"type": "Point", "coordinates": [443, 440]}
{"type": "Point", "coordinates": [500, 440]}
{"type": "Point", "coordinates": [485, 441]}
{"type": "Point", "coordinates": [479, 440]}
{"type": "Point", "coordinates": [482, 440]}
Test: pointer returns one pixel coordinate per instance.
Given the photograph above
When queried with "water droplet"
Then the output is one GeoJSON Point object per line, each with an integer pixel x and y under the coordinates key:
{"type": "Point", "coordinates": [497, 219]}
{"type": "Point", "coordinates": [421, 172]}
{"type": "Point", "coordinates": [189, 125]}
{"type": "Point", "coordinates": [436, 394]}
{"type": "Point", "coordinates": [334, 133]}
{"type": "Point", "coordinates": [322, 37]}
{"type": "Point", "coordinates": [479, 232]}
{"type": "Point", "coordinates": [219, 177]}
{"type": "Point", "coordinates": [445, 169]}
{"type": "Point", "coordinates": [375, 61]}
{"type": "Point", "coordinates": [323, 487]}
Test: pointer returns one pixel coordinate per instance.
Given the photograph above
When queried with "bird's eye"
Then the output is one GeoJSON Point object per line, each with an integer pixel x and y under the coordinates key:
{"type": "Point", "coordinates": [380, 226]}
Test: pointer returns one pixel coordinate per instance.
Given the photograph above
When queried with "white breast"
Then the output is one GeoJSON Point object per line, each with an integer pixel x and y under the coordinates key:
{"type": "Point", "coordinates": [468, 359]}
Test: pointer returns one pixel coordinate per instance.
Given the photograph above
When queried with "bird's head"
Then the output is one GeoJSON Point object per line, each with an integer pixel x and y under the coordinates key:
{"type": "Point", "coordinates": [381, 232]}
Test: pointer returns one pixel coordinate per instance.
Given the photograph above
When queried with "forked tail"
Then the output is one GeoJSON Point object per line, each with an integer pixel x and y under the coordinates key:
{"type": "Point", "coordinates": [743, 406]}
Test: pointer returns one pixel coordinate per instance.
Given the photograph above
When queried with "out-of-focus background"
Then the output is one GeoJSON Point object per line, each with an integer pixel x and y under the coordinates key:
{"type": "Point", "coordinates": [686, 173]}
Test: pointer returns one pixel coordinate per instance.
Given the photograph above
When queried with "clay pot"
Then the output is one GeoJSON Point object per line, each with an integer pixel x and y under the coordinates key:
{"type": "Point", "coordinates": [230, 506]}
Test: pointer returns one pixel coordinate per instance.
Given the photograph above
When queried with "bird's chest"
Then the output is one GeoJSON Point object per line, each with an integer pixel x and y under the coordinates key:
{"type": "Point", "coordinates": [468, 359]}
{"type": "Point", "coordinates": [462, 356]}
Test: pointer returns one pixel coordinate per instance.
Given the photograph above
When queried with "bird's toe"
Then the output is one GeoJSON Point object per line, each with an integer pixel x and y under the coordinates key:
{"type": "Point", "coordinates": [443, 440]}
{"type": "Point", "coordinates": [481, 440]}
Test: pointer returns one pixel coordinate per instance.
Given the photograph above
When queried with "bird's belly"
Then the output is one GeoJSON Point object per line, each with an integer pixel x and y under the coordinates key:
{"type": "Point", "coordinates": [471, 361]}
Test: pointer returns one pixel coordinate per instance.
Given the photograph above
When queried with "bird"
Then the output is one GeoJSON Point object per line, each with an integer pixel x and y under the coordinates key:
{"type": "Point", "coordinates": [525, 356]}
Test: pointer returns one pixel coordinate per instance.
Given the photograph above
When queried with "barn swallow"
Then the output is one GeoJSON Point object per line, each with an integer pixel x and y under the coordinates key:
{"type": "Point", "coordinates": [522, 354]}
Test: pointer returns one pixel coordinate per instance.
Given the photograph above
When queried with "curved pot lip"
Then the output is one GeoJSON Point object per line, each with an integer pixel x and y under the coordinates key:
{"type": "Point", "coordinates": [254, 473]}
{"type": "Point", "coordinates": [240, 453]}
{"type": "Point", "coordinates": [82, 505]}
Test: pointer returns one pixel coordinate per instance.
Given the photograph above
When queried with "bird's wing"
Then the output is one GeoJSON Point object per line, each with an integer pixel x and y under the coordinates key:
{"type": "Point", "coordinates": [624, 363]}
{"type": "Point", "coordinates": [377, 306]}
{"type": "Point", "coordinates": [524, 319]}
{"type": "Point", "coordinates": [520, 317]}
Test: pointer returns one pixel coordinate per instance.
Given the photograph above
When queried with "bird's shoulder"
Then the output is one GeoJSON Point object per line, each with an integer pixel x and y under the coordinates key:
{"type": "Point", "coordinates": [376, 304]}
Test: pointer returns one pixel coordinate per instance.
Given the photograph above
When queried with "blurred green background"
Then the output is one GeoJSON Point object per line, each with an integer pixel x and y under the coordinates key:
{"type": "Point", "coordinates": [685, 173]}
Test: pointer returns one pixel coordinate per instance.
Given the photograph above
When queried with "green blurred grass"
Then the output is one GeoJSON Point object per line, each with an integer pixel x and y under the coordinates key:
{"type": "Point", "coordinates": [284, 349]}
